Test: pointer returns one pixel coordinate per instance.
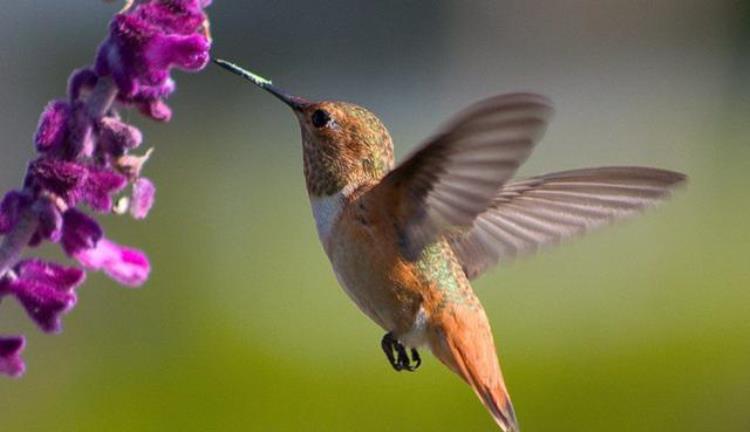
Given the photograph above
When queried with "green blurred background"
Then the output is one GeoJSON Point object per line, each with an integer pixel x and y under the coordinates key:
{"type": "Point", "coordinates": [645, 326]}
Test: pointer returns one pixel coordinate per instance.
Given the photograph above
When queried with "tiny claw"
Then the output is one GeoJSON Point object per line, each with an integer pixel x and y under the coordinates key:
{"type": "Point", "coordinates": [388, 345]}
{"type": "Point", "coordinates": [416, 358]}
{"type": "Point", "coordinates": [401, 360]}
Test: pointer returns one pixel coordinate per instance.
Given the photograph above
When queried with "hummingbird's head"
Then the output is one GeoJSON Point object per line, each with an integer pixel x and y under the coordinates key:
{"type": "Point", "coordinates": [344, 145]}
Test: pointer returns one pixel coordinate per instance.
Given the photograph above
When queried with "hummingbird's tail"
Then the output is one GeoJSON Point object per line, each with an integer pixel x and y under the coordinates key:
{"type": "Point", "coordinates": [468, 350]}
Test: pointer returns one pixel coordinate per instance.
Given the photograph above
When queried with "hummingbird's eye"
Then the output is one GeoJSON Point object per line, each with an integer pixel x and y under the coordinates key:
{"type": "Point", "coordinates": [320, 118]}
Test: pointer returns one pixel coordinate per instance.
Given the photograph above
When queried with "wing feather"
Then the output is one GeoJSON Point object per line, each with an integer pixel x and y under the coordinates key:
{"type": "Point", "coordinates": [526, 215]}
{"type": "Point", "coordinates": [456, 174]}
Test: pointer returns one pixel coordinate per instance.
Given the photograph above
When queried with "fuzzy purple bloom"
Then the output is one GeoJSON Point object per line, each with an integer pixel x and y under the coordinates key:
{"type": "Point", "coordinates": [100, 185]}
{"type": "Point", "coordinates": [145, 43]}
{"type": "Point", "coordinates": [125, 265]}
{"type": "Point", "coordinates": [80, 232]}
{"type": "Point", "coordinates": [58, 177]}
{"type": "Point", "coordinates": [10, 355]}
{"type": "Point", "coordinates": [117, 137]}
{"type": "Point", "coordinates": [85, 159]}
{"type": "Point", "coordinates": [53, 126]}
{"type": "Point", "coordinates": [44, 289]}
{"type": "Point", "coordinates": [50, 222]}
{"type": "Point", "coordinates": [74, 182]}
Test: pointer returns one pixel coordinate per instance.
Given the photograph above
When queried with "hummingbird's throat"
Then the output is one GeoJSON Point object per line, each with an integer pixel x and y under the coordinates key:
{"type": "Point", "coordinates": [323, 178]}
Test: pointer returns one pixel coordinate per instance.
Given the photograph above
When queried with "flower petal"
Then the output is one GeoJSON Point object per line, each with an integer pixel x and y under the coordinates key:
{"type": "Point", "coordinates": [187, 52]}
{"type": "Point", "coordinates": [177, 16]}
{"type": "Point", "coordinates": [143, 198]}
{"type": "Point", "coordinates": [50, 220]}
{"type": "Point", "coordinates": [53, 126]}
{"type": "Point", "coordinates": [157, 109]}
{"type": "Point", "coordinates": [99, 187]}
{"type": "Point", "coordinates": [61, 178]}
{"type": "Point", "coordinates": [10, 355]}
{"type": "Point", "coordinates": [80, 232]}
{"type": "Point", "coordinates": [126, 265]}
{"type": "Point", "coordinates": [46, 291]}
{"type": "Point", "coordinates": [116, 136]}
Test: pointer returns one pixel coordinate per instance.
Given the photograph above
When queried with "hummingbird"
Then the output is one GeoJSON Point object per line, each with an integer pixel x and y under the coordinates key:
{"type": "Point", "coordinates": [405, 241]}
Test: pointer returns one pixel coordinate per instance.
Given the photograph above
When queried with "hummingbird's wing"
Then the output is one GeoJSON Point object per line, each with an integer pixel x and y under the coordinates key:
{"type": "Point", "coordinates": [455, 175]}
{"type": "Point", "coordinates": [528, 214]}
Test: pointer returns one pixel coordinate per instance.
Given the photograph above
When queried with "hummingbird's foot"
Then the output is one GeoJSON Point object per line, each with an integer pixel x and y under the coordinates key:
{"type": "Point", "coordinates": [387, 344]}
{"type": "Point", "coordinates": [399, 359]}
{"type": "Point", "coordinates": [416, 358]}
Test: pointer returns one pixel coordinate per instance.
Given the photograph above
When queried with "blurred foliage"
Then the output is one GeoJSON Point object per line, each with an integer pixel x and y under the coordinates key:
{"type": "Point", "coordinates": [242, 325]}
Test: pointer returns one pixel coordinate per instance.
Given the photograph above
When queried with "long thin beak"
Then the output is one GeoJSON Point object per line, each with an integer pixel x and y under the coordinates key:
{"type": "Point", "coordinates": [294, 102]}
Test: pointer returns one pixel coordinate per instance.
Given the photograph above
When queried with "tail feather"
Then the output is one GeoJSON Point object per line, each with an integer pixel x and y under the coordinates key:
{"type": "Point", "coordinates": [476, 362]}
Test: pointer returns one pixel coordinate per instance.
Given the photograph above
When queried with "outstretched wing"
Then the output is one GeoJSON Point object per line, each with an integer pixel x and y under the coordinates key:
{"type": "Point", "coordinates": [455, 175]}
{"type": "Point", "coordinates": [528, 214]}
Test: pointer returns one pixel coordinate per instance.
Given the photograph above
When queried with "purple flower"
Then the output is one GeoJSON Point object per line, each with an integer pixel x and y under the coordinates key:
{"type": "Point", "coordinates": [146, 42]}
{"type": "Point", "coordinates": [85, 159]}
{"type": "Point", "coordinates": [143, 198]}
{"type": "Point", "coordinates": [154, 108]}
{"type": "Point", "coordinates": [10, 355]}
{"type": "Point", "coordinates": [74, 181]}
{"type": "Point", "coordinates": [50, 222]}
{"type": "Point", "coordinates": [117, 137]}
{"type": "Point", "coordinates": [80, 232]}
{"type": "Point", "coordinates": [125, 265]}
{"type": "Point", "coordinates": [53, 126]}
{"type": "Point", "coordinates": [60, 178]}
{"type": "Point", "coordinates": [44, 289]}
{"type": "Point", "coordinates": [99, 187]}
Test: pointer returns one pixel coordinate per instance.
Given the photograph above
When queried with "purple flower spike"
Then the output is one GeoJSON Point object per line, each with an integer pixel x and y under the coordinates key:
{"type": "Point", "coordinates": [45, 290]}
{"type": "Point", "coordinates": [125, 265]}
{"type": "Point", "coordinates": [143, 198]}
{"type": "Point", "coordinates": [10, 355]}
{"type": "Point", "coordinates": [80, 232]}
{"type": "Point", "coordinates": [53, 126]}
{"type": "Point", "coordinates": [84, 158]}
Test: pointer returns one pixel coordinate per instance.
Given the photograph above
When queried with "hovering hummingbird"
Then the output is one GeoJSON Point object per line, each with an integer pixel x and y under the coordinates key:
{"type": "Point", "coordinates": [405, 241]}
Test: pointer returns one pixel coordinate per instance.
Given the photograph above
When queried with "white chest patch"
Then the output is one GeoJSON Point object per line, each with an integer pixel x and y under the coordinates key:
{"type": "Point", "coordinates": [327, 211]}
{"type": "Point", "coordinates": [417, 334]}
